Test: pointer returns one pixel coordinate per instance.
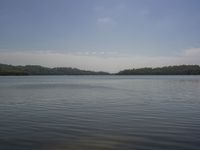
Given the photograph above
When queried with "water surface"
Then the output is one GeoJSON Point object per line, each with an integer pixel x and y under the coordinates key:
{"type": "Point", "coordinates": [100, 113]}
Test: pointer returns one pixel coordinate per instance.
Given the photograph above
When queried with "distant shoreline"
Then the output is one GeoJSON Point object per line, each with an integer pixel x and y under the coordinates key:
{"type": "Point", "coordinates": [36, 70]}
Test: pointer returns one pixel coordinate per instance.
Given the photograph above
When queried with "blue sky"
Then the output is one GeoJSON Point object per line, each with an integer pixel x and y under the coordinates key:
{"type": "Point", "coordinates": [100, 34]}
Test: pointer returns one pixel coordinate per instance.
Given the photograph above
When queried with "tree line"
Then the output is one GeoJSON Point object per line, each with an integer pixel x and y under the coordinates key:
{"type": "Point", "coordinates": [40, 70]}
{"type": "Point", "coordinates": [167, 70]}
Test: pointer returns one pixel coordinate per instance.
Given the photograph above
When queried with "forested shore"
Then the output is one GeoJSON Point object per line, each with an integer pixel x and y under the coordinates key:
{"type": "Point", "coordinates": [6, 70]}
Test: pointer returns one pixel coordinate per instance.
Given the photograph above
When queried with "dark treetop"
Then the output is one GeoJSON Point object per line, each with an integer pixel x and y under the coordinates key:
{"type": "Point", "coordinates": [169, 70]}
{"type": "Point", "coordinates": [39, 70]}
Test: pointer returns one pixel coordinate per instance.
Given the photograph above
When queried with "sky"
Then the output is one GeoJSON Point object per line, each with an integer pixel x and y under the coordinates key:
{"type": "Point", "coordinates": [107, 35]}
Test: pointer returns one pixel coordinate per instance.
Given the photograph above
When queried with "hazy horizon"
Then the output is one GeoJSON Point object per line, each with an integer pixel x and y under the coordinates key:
{"type": "Point", "coordinates": [107, 35]}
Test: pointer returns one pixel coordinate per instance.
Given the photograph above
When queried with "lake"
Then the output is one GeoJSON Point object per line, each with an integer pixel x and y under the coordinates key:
{"type": "Point", "coordinates": [100, 113]}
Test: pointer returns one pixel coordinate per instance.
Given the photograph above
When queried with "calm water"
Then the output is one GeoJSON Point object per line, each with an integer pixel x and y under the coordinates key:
{"type": "Point", "coordinates": [100, 113]}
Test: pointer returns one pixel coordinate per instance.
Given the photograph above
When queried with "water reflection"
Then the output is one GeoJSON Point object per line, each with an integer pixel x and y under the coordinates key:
{"type": "Point", "coordinates": [93, 112]}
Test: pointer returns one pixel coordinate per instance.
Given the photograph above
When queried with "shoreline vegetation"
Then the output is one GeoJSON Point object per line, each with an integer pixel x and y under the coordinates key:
{"type": "Point", "coordinates": [11, 70]}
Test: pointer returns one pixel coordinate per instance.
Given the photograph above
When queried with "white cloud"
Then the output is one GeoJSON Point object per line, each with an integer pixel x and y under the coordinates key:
{"type": "Point", "coordinates": [193, 52]}
{"type": "Point", "coordinates": [109, 15]}
{"type": "Point", "coordinates": [104, 20]}
{"type": "Point", "coordinates": [104, 61]}
{"type": "Point", "coordinates": [144, 12]}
